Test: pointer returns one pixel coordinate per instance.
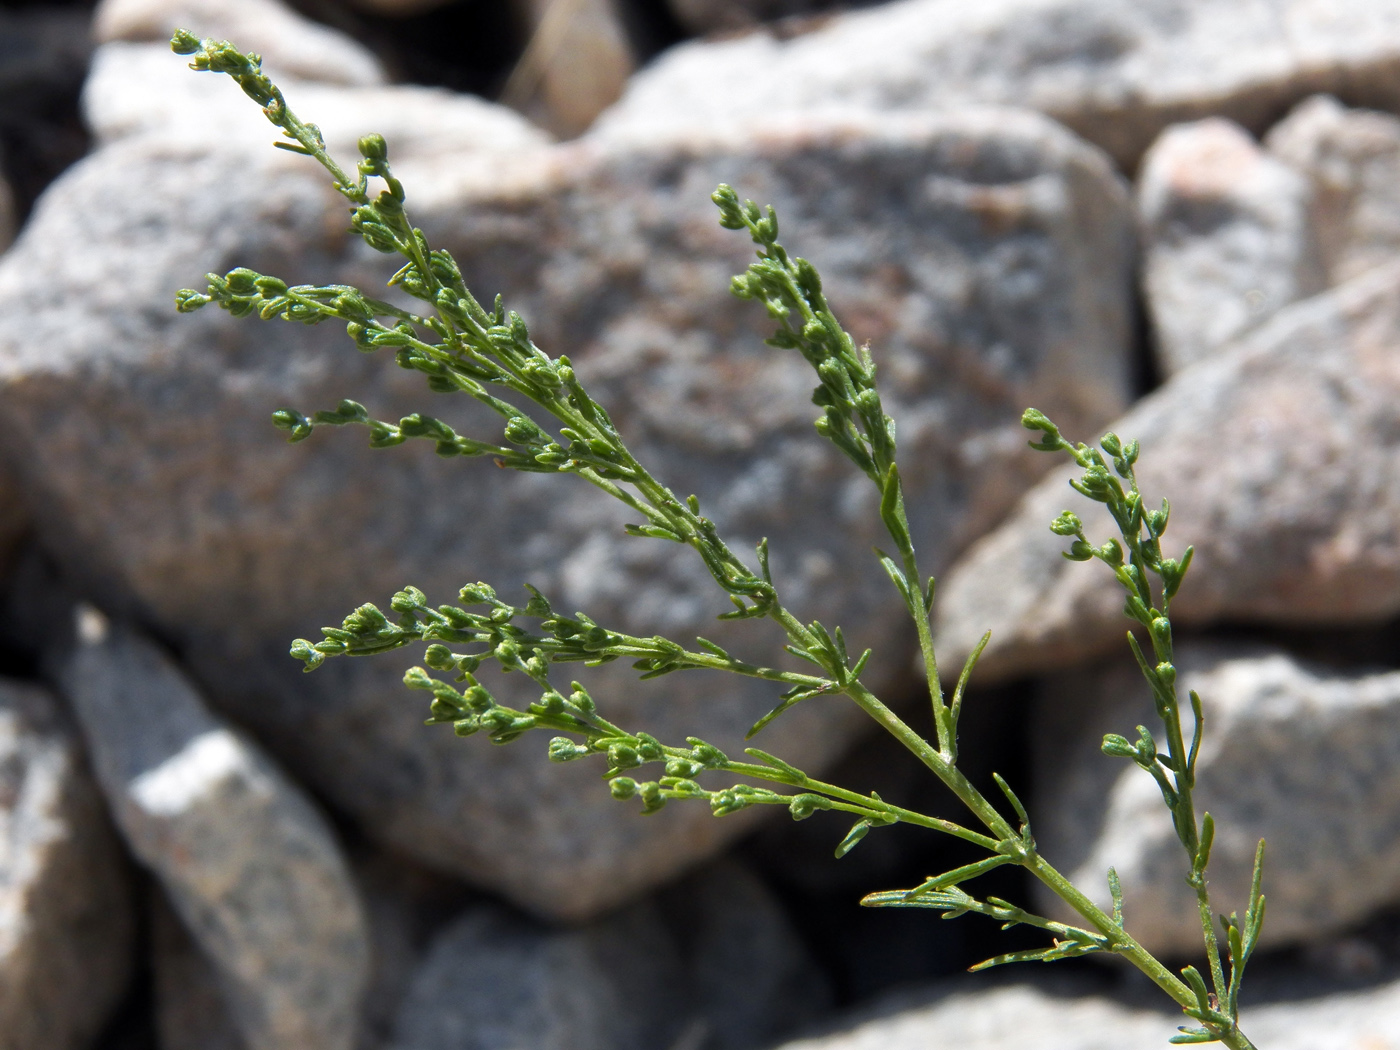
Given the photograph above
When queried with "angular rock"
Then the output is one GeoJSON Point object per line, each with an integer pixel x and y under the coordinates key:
{"type": "Point", "coordinates": [406, 906]}
{"type": "Point", "coordinates": [290, 44]}
{"type": "Point", "coordinates": [1232, 233]}
{"type": "Point", "coordinates": [575, 66]}
{"type": "Point", "coordinates": [1227, 238]}
{"type": "Point", "coordinates": [1280, 459]}
{"type": "Point", "coordinates": [986, 255]}
{"type": "Point", "coordinates": [1059, 1015]}
{"type": "Point", "coordinates": [1352, 159]}
{"type": "Point", "coordinates": [66, 916]}
{"type": "Point", "coordinates": [248, 863]}
{"type": "Point", "coordinates": [1115, 71]}
{"type": "Point", "coordinates": [190, 1010]}
{"type": "Point", "coordinates": [494, 981]}
{"type": "Point", "coordinates": [710, 962]}
{"type": "Point", "coordinates": [440, 140]}
{"type": "Point", "coordinates": [1302, 756]}
{"type": "Point", "coordinates": [749, 978]}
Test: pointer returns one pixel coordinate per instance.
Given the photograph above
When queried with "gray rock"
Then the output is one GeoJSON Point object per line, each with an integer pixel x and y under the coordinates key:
{"type": "Point", "coordinates": [1227, 238]}
{"type": "Point", "coordinates": [1279, 457]}
{"type": "Point", "coordinates": [66, 919]}
{"type": "Point", "coordinates": [1232, 233]}
{"type": "Point", "coordinates": [1304, 757]}
{"type": "Point", "coordinates": [986, 255]}
{"type": "Point", "coordinates": [1115, 71]}
{"type": "Point", "coordinates": [1352, 159]}
{"type": "Point", "coordinates": [406, 906]}
{"type": "Point", "coordinates": [711, 962]}
{"type": "Point", "coordinates": [189, 1003]}
{"type": "Point", "coordinates": [290, 44]}
{"type": "Point", "coordinates": [440, 139]}
{"type": "Point", "coordinates": [493, 981]}
{"type": "Point", "coordinates": [247, 861]}
{"type": "Point", "coordinates": [1064, 1016]}
{"type": "Point", "coordinates": [575, 65]}
{"type": "Point", "coordinates": [749, 978]}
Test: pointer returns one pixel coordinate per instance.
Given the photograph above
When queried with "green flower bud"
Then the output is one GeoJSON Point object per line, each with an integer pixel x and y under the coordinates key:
{"type": "Point", "coordinates": [623, 756]}
{"type": "Point", "coordinates": [439, 658]}
{"type": "Point", "coordinates": [562, 749]}
{"type": "Point", "coordinates": [373, 147]}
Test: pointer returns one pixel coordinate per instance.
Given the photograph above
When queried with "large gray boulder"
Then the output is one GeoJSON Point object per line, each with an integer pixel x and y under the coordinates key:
{"type": "Point", "coordinates": [250, 866]}
{"type": "Point", "coordinates": [986, 255]}
{"type": "Point", "coordinates": [1116, 71]}
{"type": "Point", "coordinates": [1303, 756]}
{"type": "Point", "coordinates": [66, 914]}
{"type": "Point", "coordinates": [1279, 456]}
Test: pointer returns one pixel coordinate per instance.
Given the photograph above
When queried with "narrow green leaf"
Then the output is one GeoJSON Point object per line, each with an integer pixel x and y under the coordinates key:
{"type": "Point", "coordinates": [858, 831]}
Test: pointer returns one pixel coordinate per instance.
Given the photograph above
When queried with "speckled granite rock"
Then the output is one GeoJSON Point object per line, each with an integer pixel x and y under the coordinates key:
{"type": "Point", "coordinates": [1303, 756]}
{"type": "Point", "coordinates": [1279, 457]}
{"type": "Point", "coordinates": [248, 863]}
{"type": "Point", "coordinates": [289, 43]}
{"type": "Point", "coordinates": [66, 917]}
{"type": "Point", "coordinates": [1115, 71]}
{"type": "Point", "coordinates": [1351, 157]}
{"type": "Point", "coordinates": [1063, 1016]}
{"type": "Point", "coordinates": [1228, 238]}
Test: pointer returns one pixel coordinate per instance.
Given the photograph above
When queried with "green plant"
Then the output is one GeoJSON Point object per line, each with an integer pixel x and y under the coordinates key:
{"type": "Point", "coordinates": [464, 347]}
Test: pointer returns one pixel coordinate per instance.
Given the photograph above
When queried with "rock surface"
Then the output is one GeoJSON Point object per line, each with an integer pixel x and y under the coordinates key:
{"type": "Point", "coordinates": [576, 63]}
{"type": "Point", "coordinates": [438, 138]}
{"type": "Point", "coordinates": [1232, 232]}
{"type": "Point", "coordinates": [711, 962]}
{"type": "Point", "coordinates": [1115, 71]}
{"type": "Point", "coordinates": [749, 977]}
{"type": "Point", "coordinates": [492, 981]}
{"type": "Point", "coordinates": [1305, 757]}
{"type": "Point", "coordinates": [1227, 236]}
{"type": "Point", "coordinates": [1352, 159]}
{"type": "Point", "coordinates": [985, 254]}
{"type": "Point", "coordinates": [189, 1004]}
{"type": "Point", "coordinates": [1279, 457]}
{"type": "Point", "coordinates": [290, 44]}
{"type": "Point", "coordinates": [66, 921]}
{"type": "Point", "coordinates": [249, 865]}
{"type": "Point", "coordinates": [1065, 1017]}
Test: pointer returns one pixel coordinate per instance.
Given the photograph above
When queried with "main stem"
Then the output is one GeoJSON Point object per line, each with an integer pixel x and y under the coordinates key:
{"type": "Point", "coordinates": [1123, 943]}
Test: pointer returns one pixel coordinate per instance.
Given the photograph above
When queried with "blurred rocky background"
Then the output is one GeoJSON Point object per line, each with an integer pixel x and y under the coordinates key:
{"type": "Point", "coordinates": [1176, 218]}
